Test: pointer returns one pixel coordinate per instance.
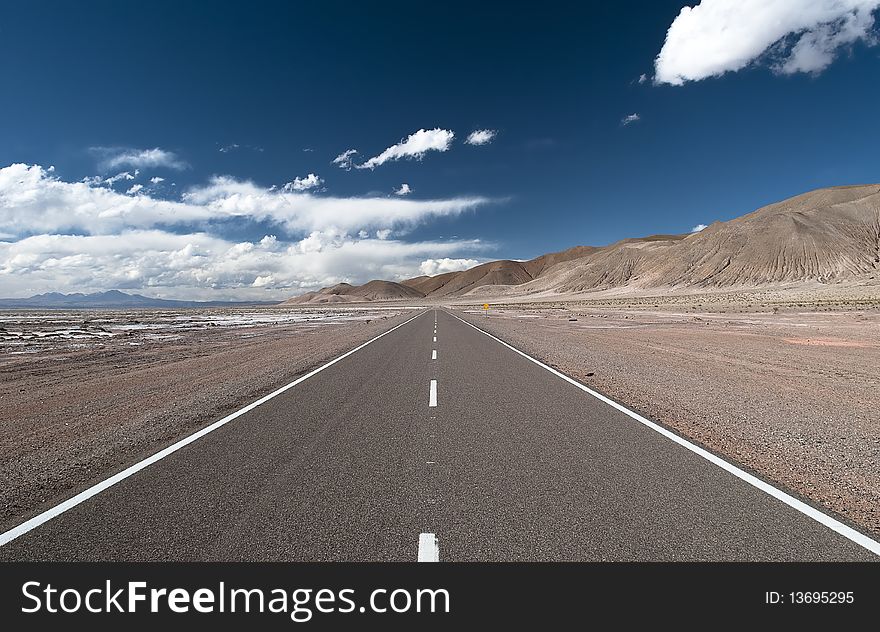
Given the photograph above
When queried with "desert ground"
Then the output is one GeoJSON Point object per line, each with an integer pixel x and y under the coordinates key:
{"type": "Point", "coordinates": [785, 387]}
{"type": "Point", "coordinates": [84, 394]}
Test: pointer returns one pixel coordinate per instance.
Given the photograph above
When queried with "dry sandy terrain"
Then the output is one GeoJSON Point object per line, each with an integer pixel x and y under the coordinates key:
{"type": "Point", "coordinates": [793, 395]}
{"type": "Point", "coordinates": [84, 394]}
{"type": "Point", "coordinates": [811, 295]}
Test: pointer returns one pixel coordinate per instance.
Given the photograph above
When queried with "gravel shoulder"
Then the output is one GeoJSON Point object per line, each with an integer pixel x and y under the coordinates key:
{"type": "Point", "coordinates": [84, 395]}
{"type": "Point", "coordinates": [792, 395]}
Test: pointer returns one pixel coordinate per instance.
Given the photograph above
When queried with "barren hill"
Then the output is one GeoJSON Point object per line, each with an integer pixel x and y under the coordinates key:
{"type": "Point", "coordinates": [825, 236]}
{"type": "Point", "coordinates": [494, 273]}
{"type": "Point", "coordinates": [502, 272]}
{"type": "Point", "coordinates": [385, 291]}
{"type": "Point", "coordinates": [376, 290]}
{"type": "Point", "coordinates": [428, 284]}
{"type": "Point", "coordinates": [538, 265]}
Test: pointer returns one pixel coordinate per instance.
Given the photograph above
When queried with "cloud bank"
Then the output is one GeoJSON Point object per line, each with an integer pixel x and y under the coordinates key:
{"type": "Point", "coordinates": [32, 200]}
{"type": "Point", "coordinates": [201, 266]}
{"type": "Point", "coordinates": [720, 36]}
{"type": "Point", "coordinates": [75, 236]}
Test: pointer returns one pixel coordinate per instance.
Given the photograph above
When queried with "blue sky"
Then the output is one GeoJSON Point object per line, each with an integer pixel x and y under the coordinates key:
{"type": "Point", "coordinates": [738, 105]}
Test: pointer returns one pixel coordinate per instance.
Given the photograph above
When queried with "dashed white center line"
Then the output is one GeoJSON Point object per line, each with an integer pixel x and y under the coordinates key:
{"type": "Point", "coordinates": [429, 550]}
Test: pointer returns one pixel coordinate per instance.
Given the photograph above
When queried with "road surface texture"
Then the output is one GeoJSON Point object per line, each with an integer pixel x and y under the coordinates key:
{"type": "Point", "coordinates": [496, 455]}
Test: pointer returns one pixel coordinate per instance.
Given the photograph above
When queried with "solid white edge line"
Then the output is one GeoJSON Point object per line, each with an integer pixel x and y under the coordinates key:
{"type": "Point", "coordinates": [70, 503]}
{"type": "Point", "coordinates": [835, 525]}
{"type": "Point", "coordinates": [429, 550]}
{"type": "Point", "coordinates": [432, 399]}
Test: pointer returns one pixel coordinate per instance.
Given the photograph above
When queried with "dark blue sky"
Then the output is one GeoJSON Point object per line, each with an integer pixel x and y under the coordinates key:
{"type": "Point", "coordinates": [554, 79]}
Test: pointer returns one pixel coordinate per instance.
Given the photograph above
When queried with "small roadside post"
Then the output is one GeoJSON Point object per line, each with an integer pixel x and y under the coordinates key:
{"type": "Point", "coordinates": [486, 309]}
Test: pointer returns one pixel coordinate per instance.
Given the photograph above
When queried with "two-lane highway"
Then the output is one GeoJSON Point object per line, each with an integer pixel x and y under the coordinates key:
{"type": "Point", "coordinates": [436, 429]}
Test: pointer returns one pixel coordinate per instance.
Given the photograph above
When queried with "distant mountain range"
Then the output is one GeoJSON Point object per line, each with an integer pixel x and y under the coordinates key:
{"type": "Point", "coordinates": [825, 236]}
{"type": "Point", "coordinates": [105, 300]}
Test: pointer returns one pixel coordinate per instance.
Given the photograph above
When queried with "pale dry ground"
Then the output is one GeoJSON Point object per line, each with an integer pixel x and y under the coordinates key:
{"type": "Point", "coordinates": [853, 294]}
{"type": "Point", "coordinates": [791, 395]}
{"type": "Point", "coordinates": [84, 394]}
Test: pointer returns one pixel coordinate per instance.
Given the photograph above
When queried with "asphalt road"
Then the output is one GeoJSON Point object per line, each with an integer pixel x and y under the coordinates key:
{"type": "Point", "coordinates": [512, 464]}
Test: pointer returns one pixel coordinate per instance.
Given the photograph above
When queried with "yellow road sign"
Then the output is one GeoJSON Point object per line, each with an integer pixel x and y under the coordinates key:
{"type": "Point", "coordinates": [485, 305]}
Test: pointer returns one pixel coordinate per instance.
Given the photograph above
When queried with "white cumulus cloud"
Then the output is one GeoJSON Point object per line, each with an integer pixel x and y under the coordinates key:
{"type": "Point", "coordinates": [345, 160]}
{"type": "Point", "coordinates": [481, 137]}
{"type": "Point", "coordinates": [698, 228]}
{"type": "Point", "coordinates": [311, 181]}
{"type": "Point", "coordinates": [630, 119]}
{"type": "Point", "coordinates": [264, 281]}
{"type": "Point", "coordinates": [125, 175]}
{"type": "Point", "coordinates": [116, 157]}
{"type": "Point", "coordinates": [403, 190]}
{"type": "Point", "coordinates": [432, 267]}
{"type": "Point", "coordinates": [719, 36]}
{"type": "Point", "coordinates": [416, 145]}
